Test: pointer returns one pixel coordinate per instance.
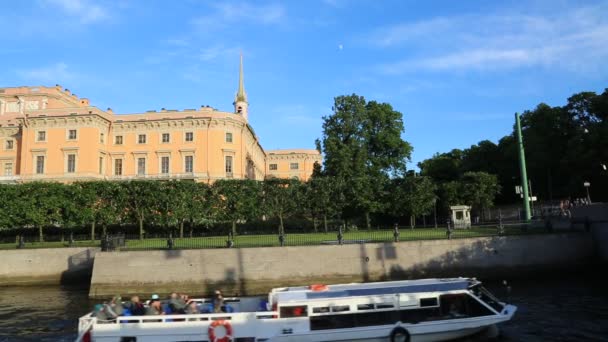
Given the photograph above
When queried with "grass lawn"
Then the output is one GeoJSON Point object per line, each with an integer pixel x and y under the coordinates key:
{"type": "Point", "coordinates": [272, 240]}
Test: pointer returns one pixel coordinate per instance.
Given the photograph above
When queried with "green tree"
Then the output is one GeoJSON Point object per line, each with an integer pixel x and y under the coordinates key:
{"type": "Point", "coordinates": [363, 147]}
{"type": "Point", "coordinates": [140, 201]}
{"type": "Point", "coordinates": [411, 195]}
{"type": "Point", "coordinates": [238, 200]}
{"type": "Point", "coordinates": [40, 205]}
{"type": "Point", "coordinates": [479, 189]}
{"type": "Point", "coordinates": [282, 197]}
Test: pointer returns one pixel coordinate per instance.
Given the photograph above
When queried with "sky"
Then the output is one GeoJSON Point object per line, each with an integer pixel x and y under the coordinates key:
{"type": "Point", "coordinates": [456, 70]}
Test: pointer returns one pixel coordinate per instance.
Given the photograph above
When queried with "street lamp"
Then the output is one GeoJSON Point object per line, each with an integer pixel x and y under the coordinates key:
{"type": "Point", "coordinates": [587, 185]}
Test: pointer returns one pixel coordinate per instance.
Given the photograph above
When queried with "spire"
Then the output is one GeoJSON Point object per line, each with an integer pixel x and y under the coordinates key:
{"type": "Point", "coordinates": [241, 96]}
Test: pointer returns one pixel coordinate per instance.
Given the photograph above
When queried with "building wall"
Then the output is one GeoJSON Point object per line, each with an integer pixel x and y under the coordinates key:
{"type": "Point", "coordinates": [25, 112]}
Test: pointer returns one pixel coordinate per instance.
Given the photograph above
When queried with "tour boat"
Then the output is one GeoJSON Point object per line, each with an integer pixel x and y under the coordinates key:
{"type": "Point", "coordinates": [409, 310]}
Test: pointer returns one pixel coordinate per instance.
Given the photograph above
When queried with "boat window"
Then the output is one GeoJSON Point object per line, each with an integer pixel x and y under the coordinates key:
{"type": "Point", "coordinates": [365, 307]}
{"type": "Point", "coordinates": [323, 309]}
{"type": "Point", "coordinates": [384, 306]}
{"type": "Point", "coordinates": [489, 298]}
{"type": "Point", "coordinates": [332, 322]}
{"type": "Point", "coordinates": [340, 308]}
{"type": "Point", "coordinates": [128, 339]}
{"type": "Point", "coordinates": [420, 315]}
{"type": "Point", "coordinates": [475, 308]}
{"type": "Point", "coordinates": [293, 311]}
{"type": "Point", "coordinates": [424, 302]}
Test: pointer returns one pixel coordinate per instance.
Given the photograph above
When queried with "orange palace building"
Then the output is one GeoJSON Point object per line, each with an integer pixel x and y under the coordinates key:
{"type": "Point", "coordinates": [47, 133]}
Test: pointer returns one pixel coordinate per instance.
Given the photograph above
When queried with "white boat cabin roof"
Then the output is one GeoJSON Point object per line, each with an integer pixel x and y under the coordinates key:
{"type": "Point", "coordinates": [303, 293]}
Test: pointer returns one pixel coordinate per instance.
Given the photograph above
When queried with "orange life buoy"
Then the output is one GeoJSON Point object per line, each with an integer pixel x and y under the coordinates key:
{"type": "Point", "coordinates": [318, 287]}
{"type": "Point", "coordinates": [211, 331]}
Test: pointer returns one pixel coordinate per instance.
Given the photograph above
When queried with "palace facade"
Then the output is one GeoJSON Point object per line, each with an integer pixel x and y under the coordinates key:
{"type": "Point", "coordinates": [48, 133]}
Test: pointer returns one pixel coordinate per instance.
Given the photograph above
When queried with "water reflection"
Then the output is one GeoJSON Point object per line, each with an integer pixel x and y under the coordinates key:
{"type": "Point", "coordinates": [574, 308]}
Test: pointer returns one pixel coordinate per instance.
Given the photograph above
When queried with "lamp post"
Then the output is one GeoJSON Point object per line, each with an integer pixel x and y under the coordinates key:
{"type": "Point", "coordinates": [587, 185]}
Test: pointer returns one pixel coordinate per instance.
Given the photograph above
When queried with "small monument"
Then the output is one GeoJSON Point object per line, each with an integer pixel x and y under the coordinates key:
{"type": "Point", "coordinates": [461, 216]}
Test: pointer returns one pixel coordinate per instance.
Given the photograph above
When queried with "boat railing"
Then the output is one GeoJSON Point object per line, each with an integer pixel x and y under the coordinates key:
{"type": "Point", "coordinates": [189, 317]}
{"type": "Point", "coordinates": [84, 325]}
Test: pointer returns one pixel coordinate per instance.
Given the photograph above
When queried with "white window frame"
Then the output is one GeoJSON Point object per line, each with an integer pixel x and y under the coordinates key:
{"type": "Point", "coordinates": [12, 142]}
{"type": "Point", "coordinates": [229, 134]}
{"type": "Point", "coordinates": [43, 156]}
{"type": "Point", "coordinates": [122, 163]}
{"type": "Point", "coordinates": [296, 164]}
{"type": "Point", "coordinates": [229, 173]}
{"type": "Point", "coordinates": [276, 167]}
{"type": "Point", "coordinates": [168, 165]}
{"type": "Point", "coordinates": [186, 164]}
{"type": "Point", "coordinates": [186, 136]}
{"type": "Point", "coordinates": [75, 134]}
{"type": "Point", "coordinates": [38, 136]}
{"type": "Point", "coordinates": [122, 139]}
{"type": "Point", "coordinates": [67, 162]}
{"type": "Point", "coordinates": [138, 140]}
{"type": "Point", "coordinates": [8, 167]}
{"type": "Point", "coordinates": [137, 158]}
{"type": "Point", "coordinates": [162, 137]}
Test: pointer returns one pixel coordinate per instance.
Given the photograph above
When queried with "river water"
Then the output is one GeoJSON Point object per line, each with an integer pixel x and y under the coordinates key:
{"type": "Point", "coordinates": [568, 308]}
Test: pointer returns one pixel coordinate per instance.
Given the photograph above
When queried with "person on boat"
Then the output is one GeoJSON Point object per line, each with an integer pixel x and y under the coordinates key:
{"type": "Point", "coordinates": [114, 308]}
{"type": "Point", "coordinates": [154, 307]}
{"type": "Point", "coordinates": [192, 308]}
{"type": "Point", "coordinates": [135, 306]}
{"type": "Point", "coordinates": [177, 304]}
{"type": "Point", "coordinates": [454, 311]}
{"type": "Point", "coordinates": [218, 301]}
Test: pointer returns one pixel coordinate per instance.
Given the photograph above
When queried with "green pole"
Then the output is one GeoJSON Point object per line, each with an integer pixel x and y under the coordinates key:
{"type": "Point", "coordinates": [522, 169]}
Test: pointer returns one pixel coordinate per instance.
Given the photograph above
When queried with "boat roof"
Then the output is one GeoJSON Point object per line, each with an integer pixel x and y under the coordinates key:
{"type": "Point", "coordinates": [302, 293]}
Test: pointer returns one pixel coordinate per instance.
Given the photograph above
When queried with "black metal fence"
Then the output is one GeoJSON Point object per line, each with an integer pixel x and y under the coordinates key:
{"type": "Point", "coordinates": [341, 236]}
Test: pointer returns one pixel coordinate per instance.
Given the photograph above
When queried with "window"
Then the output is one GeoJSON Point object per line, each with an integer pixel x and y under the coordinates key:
{"type": "Point", "coordinates": [118, 140]}
{"type": "Point", "coordinates": [100, 165]}
{"type": "Point", "coordinates": [71, 163]}
{"type": "Point", "coordinates": [228, 137]}
{"type": "Point", "coordinates": [141, 166]}
{"type": "Point", "coordinates": [189, 136]}
{"type": "Point", "coordinates": [72, 134]}
{"type": "Point", "coordinates": [228, 166]}
{"type": "Point", "coordinates": [164, 165]}
{"type": "Point", "coordinates": [141, 139]}
{"type": "Point", "coordinates": [323, 309]}
{"type": "Point", "coordinates": [166, 137]}
{"type": "Point", "coordinates": [365, 307]}
{"type": "Point", "coordinates": [340, 308]}
{"type": "Point", "coordinates": [428, 302]}
{"type": "Point", "coordinates": [459, 215]}
{"type": "Point", "coordinates": [41, 136]}
{"type": "Point", "coordinates": [10, 144]}
{"type": "Point", "coordinates": [118, 167]}
{"type": "Point", "coordinates": [384, 306]}
{"type": "Point", "coordinates": [102, 138]}
{"type": "Point", "coordinates": [40, 165]}
{"type": "Point", "coordinates": [8, 169]}
{"type": "Point", "coordinates": [293, 311]}
{"type": "Point", "coordinates": [272, 167]}
{"type": "Point", "coordinates": [189, 163]}
{"type": "Point", "coordinates": [294, 166]}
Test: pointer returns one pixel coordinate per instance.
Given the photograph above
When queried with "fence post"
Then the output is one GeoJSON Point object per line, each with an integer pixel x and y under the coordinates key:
{"type": "Point", "coordinates": [281, 239]}
{"type": "Point", "coordinates": [170, 241]}
{"type": "Point", "coordinates": [105, 241]}
{"type": "Point", "coordinates": [340, 236]}
{"type": "Point", "coordinates": [449, 229]}
{"type": "Point", "coordinates": [396, 233]}
{"type": "Point", "coordinates": [500, 226]}
{"type": "Point", "coordinates": [21, 242]}
{"type": "Point", "coordinates": [71, 241]}
{"type": "Point", "coordinates": [230, 241]}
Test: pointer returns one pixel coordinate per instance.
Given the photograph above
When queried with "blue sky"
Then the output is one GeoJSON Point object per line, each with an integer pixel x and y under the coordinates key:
{"type": "Point", "coordinates": [457, 70]}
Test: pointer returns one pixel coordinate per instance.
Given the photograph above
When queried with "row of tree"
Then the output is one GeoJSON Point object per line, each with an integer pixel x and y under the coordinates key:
{"type": "Point", "coordinates": [565, 147]}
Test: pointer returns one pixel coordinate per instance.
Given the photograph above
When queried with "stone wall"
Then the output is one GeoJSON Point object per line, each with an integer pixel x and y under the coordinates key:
{"type": "Point", "coordinates": [250, 271]}
{"type": "Point", "coordinates": [46, 266]}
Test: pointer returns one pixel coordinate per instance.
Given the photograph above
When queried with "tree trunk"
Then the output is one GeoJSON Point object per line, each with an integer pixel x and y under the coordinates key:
{"type": "Point", "coordinates": [92, 231]}
{"type": "Point", "coordinates": [325, 222]}
{"type": "Point", "coordinates": [40, 237]}
{"type": "Point", "coordinates": [368, 223]}
{"type": "Point", "coordinates": [281, 228]}
{"type": "Point", "coordinates": [314, 223]}
{"type": "Point", "coordinates": [233, 227]}
{"type": "Point", "coordinates": [412, 221]}
{"type": "Point", "coordinates": [104, 230]}
{"type": "Point", "coordinates": [141, 229]}
{"type": "Point", "coordinates": [181, 229]}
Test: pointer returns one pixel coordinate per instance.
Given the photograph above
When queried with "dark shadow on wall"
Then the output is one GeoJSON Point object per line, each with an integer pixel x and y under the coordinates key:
{"type": "Point", "coordinates": [80, 268]}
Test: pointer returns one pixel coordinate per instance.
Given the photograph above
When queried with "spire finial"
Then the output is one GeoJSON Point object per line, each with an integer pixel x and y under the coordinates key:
{"type": "Point", "coordinates": [241, 95]}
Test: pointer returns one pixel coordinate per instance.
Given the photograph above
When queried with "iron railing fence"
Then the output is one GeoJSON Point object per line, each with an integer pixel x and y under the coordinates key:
{"type": "Point", "coordinates": [200, 240]}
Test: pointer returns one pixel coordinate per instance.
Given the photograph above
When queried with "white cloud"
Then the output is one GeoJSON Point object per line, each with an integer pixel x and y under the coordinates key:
{"type": "Point", "coordinates": [52, 74]}
{"type": "Point", "coordinates": [576, 40]}
{"type": "Point", "coordinates": [85, 10]}
{"type": "Point", "coordinates": [228, 13]}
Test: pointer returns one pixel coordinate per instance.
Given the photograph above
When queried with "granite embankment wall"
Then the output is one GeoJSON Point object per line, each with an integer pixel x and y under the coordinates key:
{"type": "Point", "coordinates": [46, 266]}
{"type": "Point", "coordinates": [250, 271]}
{"type": "Point", "coordinates": [597, 214]}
